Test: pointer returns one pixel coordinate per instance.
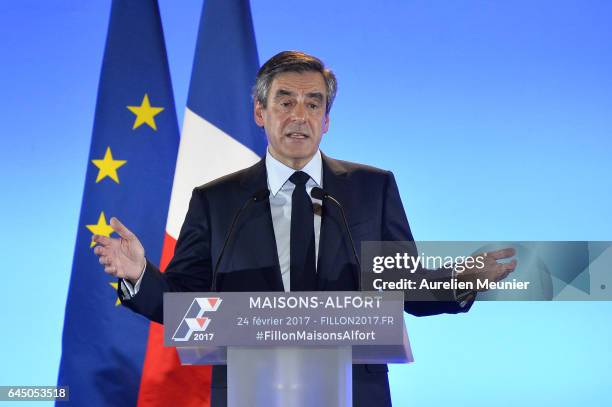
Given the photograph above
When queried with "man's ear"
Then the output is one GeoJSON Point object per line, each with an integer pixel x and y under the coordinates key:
{"type": "Point", "coordinates": [325, 124]}
{"type": "Point", "coordinates": [258, 112]}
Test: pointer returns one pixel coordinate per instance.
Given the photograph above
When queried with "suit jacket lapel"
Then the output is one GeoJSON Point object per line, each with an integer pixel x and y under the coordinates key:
{"type": "Point", "coordinates": [254, 242]}
{"type": "Point", "coordinates": [336, 268]}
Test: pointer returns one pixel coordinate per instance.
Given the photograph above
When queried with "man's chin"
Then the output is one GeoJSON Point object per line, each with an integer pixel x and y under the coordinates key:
{"type": "Point", "coordinates": [302, 156]}
{"type": "Point", "coordinates": [295, 158]}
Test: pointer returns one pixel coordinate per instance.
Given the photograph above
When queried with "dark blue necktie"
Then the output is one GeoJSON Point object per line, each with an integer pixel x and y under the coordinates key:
{"type": "Point", "coordinates": [302, 245]}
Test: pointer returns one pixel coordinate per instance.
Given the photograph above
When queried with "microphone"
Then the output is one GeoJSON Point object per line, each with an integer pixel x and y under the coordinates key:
{"type": "Point", "coordinates": [259, 196]}
{"type": "Point", "coordinates": [321, 194]}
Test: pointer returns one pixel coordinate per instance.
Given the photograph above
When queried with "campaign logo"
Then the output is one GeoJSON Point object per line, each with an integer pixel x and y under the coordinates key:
{"type": "Point", "coordinates": [194, 319]}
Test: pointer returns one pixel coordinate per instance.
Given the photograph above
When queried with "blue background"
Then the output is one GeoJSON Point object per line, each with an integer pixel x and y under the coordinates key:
{"type": "Point", "coordinates": [496, 118]}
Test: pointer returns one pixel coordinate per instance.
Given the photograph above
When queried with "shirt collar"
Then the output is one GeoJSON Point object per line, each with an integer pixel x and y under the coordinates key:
{"type": "Point", "coordinates": [279, 173]}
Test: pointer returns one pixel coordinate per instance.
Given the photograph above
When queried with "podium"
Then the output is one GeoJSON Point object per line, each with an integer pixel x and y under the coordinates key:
{"type": "Point", "coordinates": [287, 349]}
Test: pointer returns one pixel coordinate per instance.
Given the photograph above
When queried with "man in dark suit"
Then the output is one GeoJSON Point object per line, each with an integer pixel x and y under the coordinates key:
{"type": "Point", "coordinates": [279, 242]}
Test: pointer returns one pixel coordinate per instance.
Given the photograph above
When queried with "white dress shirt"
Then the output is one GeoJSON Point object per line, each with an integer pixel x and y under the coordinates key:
{"type": "Point", "coordinates": [281, 190]}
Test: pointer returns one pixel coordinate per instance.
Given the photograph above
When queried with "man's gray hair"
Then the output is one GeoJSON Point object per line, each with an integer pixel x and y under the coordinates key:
{"type": "Point", "coordinates": [293, 61]}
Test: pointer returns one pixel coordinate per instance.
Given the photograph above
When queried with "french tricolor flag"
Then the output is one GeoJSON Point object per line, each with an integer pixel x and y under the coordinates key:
{"type": "Point", "coordinates": [218, 137]}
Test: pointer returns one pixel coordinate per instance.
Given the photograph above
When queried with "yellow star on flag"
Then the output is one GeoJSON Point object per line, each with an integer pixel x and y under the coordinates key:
{"type": "Point", "coordinates": [115, 285]}
{"type": "Point", "coordinates": [101, 228]}
{"type": "Point", "coordinates": [145, 113]}
{"type": "Point", "coordinates": [108, 166]}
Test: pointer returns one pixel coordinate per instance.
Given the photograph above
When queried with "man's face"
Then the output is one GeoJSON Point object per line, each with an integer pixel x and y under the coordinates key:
{"type": "Point", "coordinates": [294, 118]}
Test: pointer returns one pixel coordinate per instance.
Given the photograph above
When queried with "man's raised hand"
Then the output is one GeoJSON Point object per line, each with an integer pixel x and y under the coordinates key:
{"type": "Point", "coordinates": [491, 269]}
{"type": "Point", "coordinates": [121, 257]}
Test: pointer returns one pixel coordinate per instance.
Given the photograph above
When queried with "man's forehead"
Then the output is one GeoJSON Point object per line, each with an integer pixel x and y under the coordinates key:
{"type": "Point", "coordinates": [309, 81]}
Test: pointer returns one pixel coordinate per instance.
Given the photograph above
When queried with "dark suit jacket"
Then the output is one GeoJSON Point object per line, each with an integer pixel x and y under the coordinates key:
{"type": "Point", "coordinates": [374, 211]}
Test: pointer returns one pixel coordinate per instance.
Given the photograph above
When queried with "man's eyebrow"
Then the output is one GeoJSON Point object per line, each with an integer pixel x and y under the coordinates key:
{"type": "Point", "coordinates": [315, 95]}
{"type": "Point", "coordinates": [283, 92]}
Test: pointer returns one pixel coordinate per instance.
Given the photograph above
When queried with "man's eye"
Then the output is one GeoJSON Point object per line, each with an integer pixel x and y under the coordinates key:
{"type": "Point", "coordinates": [313, 106]}
{"type": "Point", "coordinates": [285, 104]}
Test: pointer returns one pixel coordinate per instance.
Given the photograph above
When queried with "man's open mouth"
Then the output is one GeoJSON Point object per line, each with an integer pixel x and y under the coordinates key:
{"type": "Point", "coordinates": [297, 135]}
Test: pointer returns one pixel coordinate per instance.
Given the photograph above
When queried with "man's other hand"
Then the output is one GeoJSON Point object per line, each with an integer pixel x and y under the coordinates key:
{"type": "Point", "coordinates": [122, 257]}
{"type": "Point", "coordinates": [491, 270]}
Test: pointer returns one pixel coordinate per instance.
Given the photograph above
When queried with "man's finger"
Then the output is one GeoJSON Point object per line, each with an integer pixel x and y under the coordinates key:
{"type": "Point", "coordinates": [121, 229]}
{"type": "Point", "coordinates": [503, 269]}
{"type": "Point", "coordinates": [101, 251]}
{"type": "Point", "coordinates": [103, 240]}
{"type": "Point", "coordinates": [502, 254]}
{"type": "Point", "coordinates": [508, 267]}
{"type": "Point", "coordinates": [103, 260]}
{"type": "Point", "coordinates": [110, 270]}
{"type": "Point", "coordinates": [503, 276]}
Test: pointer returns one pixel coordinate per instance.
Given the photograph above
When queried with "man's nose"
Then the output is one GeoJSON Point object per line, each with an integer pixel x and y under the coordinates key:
{"type": "Point", "coordinates": [299, 112]}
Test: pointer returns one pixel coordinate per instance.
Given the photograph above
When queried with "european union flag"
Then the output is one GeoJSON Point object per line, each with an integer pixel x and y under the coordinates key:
{"type": "Point", "coordinates": [129, 175]}
{"type": "Point", "coordinates": [219, 137]}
